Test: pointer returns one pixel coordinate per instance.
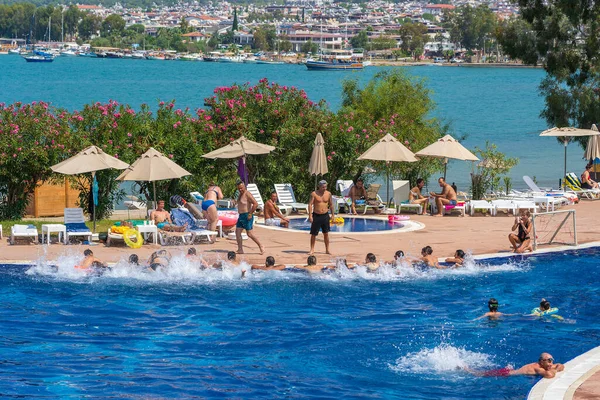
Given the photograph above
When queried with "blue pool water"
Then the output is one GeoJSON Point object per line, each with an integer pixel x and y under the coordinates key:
{"type": "Point", "coordinates": [350, 225]}
{"type": "Point", "coordinates": [182, 333]}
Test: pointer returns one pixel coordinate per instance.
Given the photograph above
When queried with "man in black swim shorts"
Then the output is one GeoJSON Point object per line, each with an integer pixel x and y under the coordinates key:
{"type": "Point", "coordinates": [319, 205]}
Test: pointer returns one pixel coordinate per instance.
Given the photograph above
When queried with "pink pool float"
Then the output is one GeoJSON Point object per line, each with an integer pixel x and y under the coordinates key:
{"type": "Point", "coordinates": [392, 219]}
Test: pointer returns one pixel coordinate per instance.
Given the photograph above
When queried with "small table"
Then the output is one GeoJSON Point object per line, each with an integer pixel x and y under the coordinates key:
{"type": "Point", "coordinates": [147, 229]}
{"type": "Point", "coordinates": [47, 229]}
{"type": "Point", "coordinates": [225, 203]}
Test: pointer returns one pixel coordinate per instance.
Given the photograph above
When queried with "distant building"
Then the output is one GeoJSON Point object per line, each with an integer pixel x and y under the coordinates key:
{"type": "Point", "coordinates": [438, 9]}
{"type": "Point", "coordinates": [194, 36]}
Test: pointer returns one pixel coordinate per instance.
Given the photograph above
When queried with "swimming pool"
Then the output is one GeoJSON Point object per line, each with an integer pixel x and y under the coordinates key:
{"type": "Point", "coordinates": [354, 225]}
{"type": "Point", "coordinates": [184, 333]}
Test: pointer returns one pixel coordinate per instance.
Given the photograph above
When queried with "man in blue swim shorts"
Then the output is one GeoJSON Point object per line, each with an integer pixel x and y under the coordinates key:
{"type": "Point", "coordinates": [447, 197]}
{"type": "Point", "coordinates": [247, 205]}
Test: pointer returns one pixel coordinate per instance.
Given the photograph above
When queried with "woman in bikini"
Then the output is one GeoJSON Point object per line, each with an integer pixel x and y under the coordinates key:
{"type": "Point", "coordinates": [586, 181]}
{"type": "Point", "coordinates": [415, 196]}
{"type": "Point", "coordinates": [521, 242]}
{"type": "Point", "coordinates": [209, 205]}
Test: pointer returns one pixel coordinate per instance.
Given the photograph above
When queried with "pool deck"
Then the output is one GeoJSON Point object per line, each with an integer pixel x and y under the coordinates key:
{"type": "Point", "coordinates": [483, 236]}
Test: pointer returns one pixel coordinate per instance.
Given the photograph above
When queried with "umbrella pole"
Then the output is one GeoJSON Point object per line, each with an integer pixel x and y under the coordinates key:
{"type": "Point", "coordinates": [445, 168]}
{"type": "Point", "coordinates": [93, 203]}
{"type": "Point", "coordinates": [565, 169]}
{"type": "Point", "coordinates": [154, 187]}
{"type": "Point", "coordinates": [387, 184]}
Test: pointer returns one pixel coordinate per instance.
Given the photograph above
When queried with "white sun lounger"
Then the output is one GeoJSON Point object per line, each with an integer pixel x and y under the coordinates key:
{"type": "Point", "coordinates": [23, 232]}
{"type": "Point", "coordinates": [285, 196]}
{"type": "Point", "coordinates": [481, 205]}
{"type": "Point", "coordinates": [506, 205]}
{"type": "Point", "coordinates": [253, 189]}
{"type": "Point", "coordinates": [75, 223]}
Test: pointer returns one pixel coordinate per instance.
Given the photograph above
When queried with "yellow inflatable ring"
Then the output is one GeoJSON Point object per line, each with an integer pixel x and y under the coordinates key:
{"type": "Point", "coordinates": [138, 238]}
{"type": "Point", "coordinates": [338, 221]}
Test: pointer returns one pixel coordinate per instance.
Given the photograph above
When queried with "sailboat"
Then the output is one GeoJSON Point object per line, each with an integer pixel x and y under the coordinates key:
{"type": "Point", "coordinates": [40, 56]}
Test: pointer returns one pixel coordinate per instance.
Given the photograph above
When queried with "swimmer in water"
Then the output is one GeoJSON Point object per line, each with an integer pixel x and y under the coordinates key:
{"type": "Point", "coordinates": [134, 260]}
{"type": "Point", "coordinates": [90, 262]}
{"type": "Point", "coordinates": [493, 313]}
{"type": "Point", "coordinates": [458, 259]}
{"type": "Point", "coordinates": [428, 258]}
{"type": "Point", "coordinates": [160, 258]}
{"type": "Point", "coordinates": [544, 367]}
{"type": "Point", "coordinates": [371, 262]}
{"type": "Point", "coordinates": [545, 310]}
{"type": "Point", "coordinates": [192, 255]}
{"type": "Point", "coordinates": [312, 267]}
{"type": "Point", "coordinates": [231, 260]}
{"type": "Point", "coordinates": [269, 265]}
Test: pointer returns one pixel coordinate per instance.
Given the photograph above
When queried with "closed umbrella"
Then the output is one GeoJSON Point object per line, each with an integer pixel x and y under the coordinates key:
{"type": "Point", "coordinates": [565, 134]}
{"type": "Point", "coordinates": [153, 166]}
{"type": "Point", "coordinates": [592, 151]}
{"type": "Point", "coordinates": [318, 159]}
{"type": "Point", "coordinates": [90, 159]}
{"type": "Point", "coordinates": [240, 148]}
{"type": "Point", "coordinates": [446, 148]}
{"type": "Point", "coordinates": [388, 149]}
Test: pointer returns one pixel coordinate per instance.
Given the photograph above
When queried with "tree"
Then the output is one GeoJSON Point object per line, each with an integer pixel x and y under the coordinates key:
{"type": "Point", "coordinates": [518, 40]}
{"type": "Point", "coordinates": [428, 17]}
{"type": "Point", "coordinates": [472, 27]}
{"type": "Point", "coordinates": [183, 25]}
{"type": "Point", "coordinates": [137, 28]}
{"type": "Point", "coordinates": [309, 47]}
{"type": "Point", "coordinates": [413, 36]}
{"type": "Point", "coordinates": [488, 173]}
{"type": "Point", "coordinates": [383, 43]}
{"type": "Point", "coordinates": [71, 17]}
{"type": "Point", "coordinates": [360, 40]}
{"type": "Point", "coordinates": [235, 26]}
{"type": "Point", "coordinates": [565, 37]}
{"type": "Point", "coordinates": [285, 45]}
{"type": "Point", "coordinates": [89, 26]}
{"type": "Point", "coordinates": [113, 25]}
{"type": "Point", "coordinates": [264, 38]}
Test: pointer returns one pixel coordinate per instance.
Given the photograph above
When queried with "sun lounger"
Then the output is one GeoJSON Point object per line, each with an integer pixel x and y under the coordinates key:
{"type": "Point", "coordinates": [506, 205]}
{"type": "Point", "coordinates": [253, 189]}
{"type": "Point", "coordinates": [75, 223]}
{"type": "Point", "coordinates": [286, 197]}
{"type": "Point", "coordinates": [525, 205]}
{"type": "Point", "coordinates": [401, 190]}
{"type": "Point", "coordinates": [181, 216]}
{"type": "Point", "coordinates": [343, 200]}
{"type": "Point", "coordinates": [28, 232]}
{"type": "Point", "coordinates": [481, 205]}
{"type": "Point", "coordinates": [460, 207]}
{"type": "Point", "coordinates": [574, 184]}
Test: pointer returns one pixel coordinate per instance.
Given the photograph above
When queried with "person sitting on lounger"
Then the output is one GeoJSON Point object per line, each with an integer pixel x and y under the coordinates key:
{"type": "Point", "coordinates": [269, 265]}
{"type": "Point", "coordinates": [586, 181]}
{"type": "Point", "coordinates": [162, 219]}
{"type": "Point", "coordinates": [415, 196]}
{"type": "Point", "coordinates": [446, 197]}
{"type": "Point", "coordinates": [274, 217]}
{"type": "Point", "coordinates": [458, 259]}
{"type": "Point", "coordinates": [521, 242]}
{"type": "Point", "coordinates": [357, 193]}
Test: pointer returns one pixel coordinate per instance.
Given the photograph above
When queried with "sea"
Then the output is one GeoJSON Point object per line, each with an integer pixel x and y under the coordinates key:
{"type": "Point", "coordinates": [501, 105]}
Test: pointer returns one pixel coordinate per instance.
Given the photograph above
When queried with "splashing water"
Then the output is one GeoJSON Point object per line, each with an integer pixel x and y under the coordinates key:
{"type": "Point", "coordinates": [443, 358]}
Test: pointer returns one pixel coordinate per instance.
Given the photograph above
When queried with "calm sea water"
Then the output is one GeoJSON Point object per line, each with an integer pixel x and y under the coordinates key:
{"type": "Point", "coordinates": [185, 333]}
{"type": "Point", "coordinates": [501, 105]}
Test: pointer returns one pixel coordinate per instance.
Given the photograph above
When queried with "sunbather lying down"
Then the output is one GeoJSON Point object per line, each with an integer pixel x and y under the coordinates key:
{"type": "Point", "coordinates": [162, 219]}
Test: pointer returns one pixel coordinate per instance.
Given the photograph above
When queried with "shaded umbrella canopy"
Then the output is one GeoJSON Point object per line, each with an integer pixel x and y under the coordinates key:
{"type": "Point", "coordinates": [318, 158]}
{"type": "Point", "coordinates": [592, 150]}
{"type": "Point", "coordinates": [90, 159]}
{"type": "Point", "coordinates": [447, 147]}
{"type": "Point", "coordinates": [152, 166]}
{"type": "Point", "coordinates": [240, 148]}
{"type": "Point", "coordinates": [388, 148]}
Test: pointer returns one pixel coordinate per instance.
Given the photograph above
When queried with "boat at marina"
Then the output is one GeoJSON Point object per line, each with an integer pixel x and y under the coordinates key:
{"type": "Point", "coordinates": [231, 59]}
{"type": "Point", "coordinates": [271, 62]}
{"type": "Point", "coordinates": [68, 53]}
{"type": "Point", "coordinates": [336, 60]}
{"type": "Point", "coordinates": [38, 58]}
{"type": "Point", "coordinates": [138, 55]}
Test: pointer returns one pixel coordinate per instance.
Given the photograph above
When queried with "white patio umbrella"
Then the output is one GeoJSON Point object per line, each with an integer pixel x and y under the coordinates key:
{"type": "Point", "coordinates": [90, 159]}
{"type": "Point", "coordinates": [388, 149]}
{"type": "Point", "coordinates": [566, 133]}
{"type": "Point", "coordinates": [592, 150]}
{"type": "Point", "coordinates": [240, 148]}
{"type": "Point", "coordinates": [318, 159]}
{"type": "Point", "coordinates": [446, 148]}
{"type": "Point", "coordinates": [153, 166]}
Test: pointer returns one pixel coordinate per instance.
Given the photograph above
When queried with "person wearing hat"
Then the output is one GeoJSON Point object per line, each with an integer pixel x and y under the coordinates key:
{"type": "Point", "coordinates": [319, 205]}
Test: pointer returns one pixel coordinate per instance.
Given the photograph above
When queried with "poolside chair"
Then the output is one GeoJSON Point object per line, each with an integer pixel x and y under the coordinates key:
{"type": "Point", "coordinates": [75, 223]}
{"type": "Point", "coordinates": [401, 190]}
{"type": "Point", "coordinates": [525, 205]}
{"type": "Point", "coordinates": [373, 199]}
{"type": "Point", "coordinates": [28, 232]}
{"type": "Point", "coordinates": [506, 205]}
{"type": "Point", "coordinates": [460, 206]}
{"type": "Point", "coordinates": [286, 197]}
{"type": "Point", "coordinates": [481, 205]}
{"type": "Point", "coordinates": [196, 198]}
{"type": "Point", "coordinates": [574, 184]}
{"type": "Point", "coordinates": [253, 189]}
{"type": "Point", "coordinates": [181, 216]}
{"type": "Point", "coordinates": [343, 200]}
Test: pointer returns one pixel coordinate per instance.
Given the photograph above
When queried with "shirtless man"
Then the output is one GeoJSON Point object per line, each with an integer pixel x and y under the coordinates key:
{"type": "Point", "coordinates": [162, 219]}
{"type": "Point", "coordinates": [274, 217]}
{"type": "Point", "coordinates": [448, 196]}
{"type": "Point", "coordinates": [357, 192]}
{"type": "Point", "coordinates": [415, 196]}
{"type": "Point", "coordinates": [493, 313]}
{"type": "Point", "coordinates": [269, 265]}
{"type": "Point", "coordinates": [371, 262]}
{"type": "Point", "coordinates": [428, 258]}
{"type": "Point", "coordinates": [312, 267]}
{"type": "Point", "coordinates": [89, 261]}
{"type": "Point", "coordinates": [246, 207]}
{"type": "Point", "coordinates": [544, 367]}
{"type": "Point", "coordinates": [318, 205]}
{"type": "Point", "coordinates": [209, 205]}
